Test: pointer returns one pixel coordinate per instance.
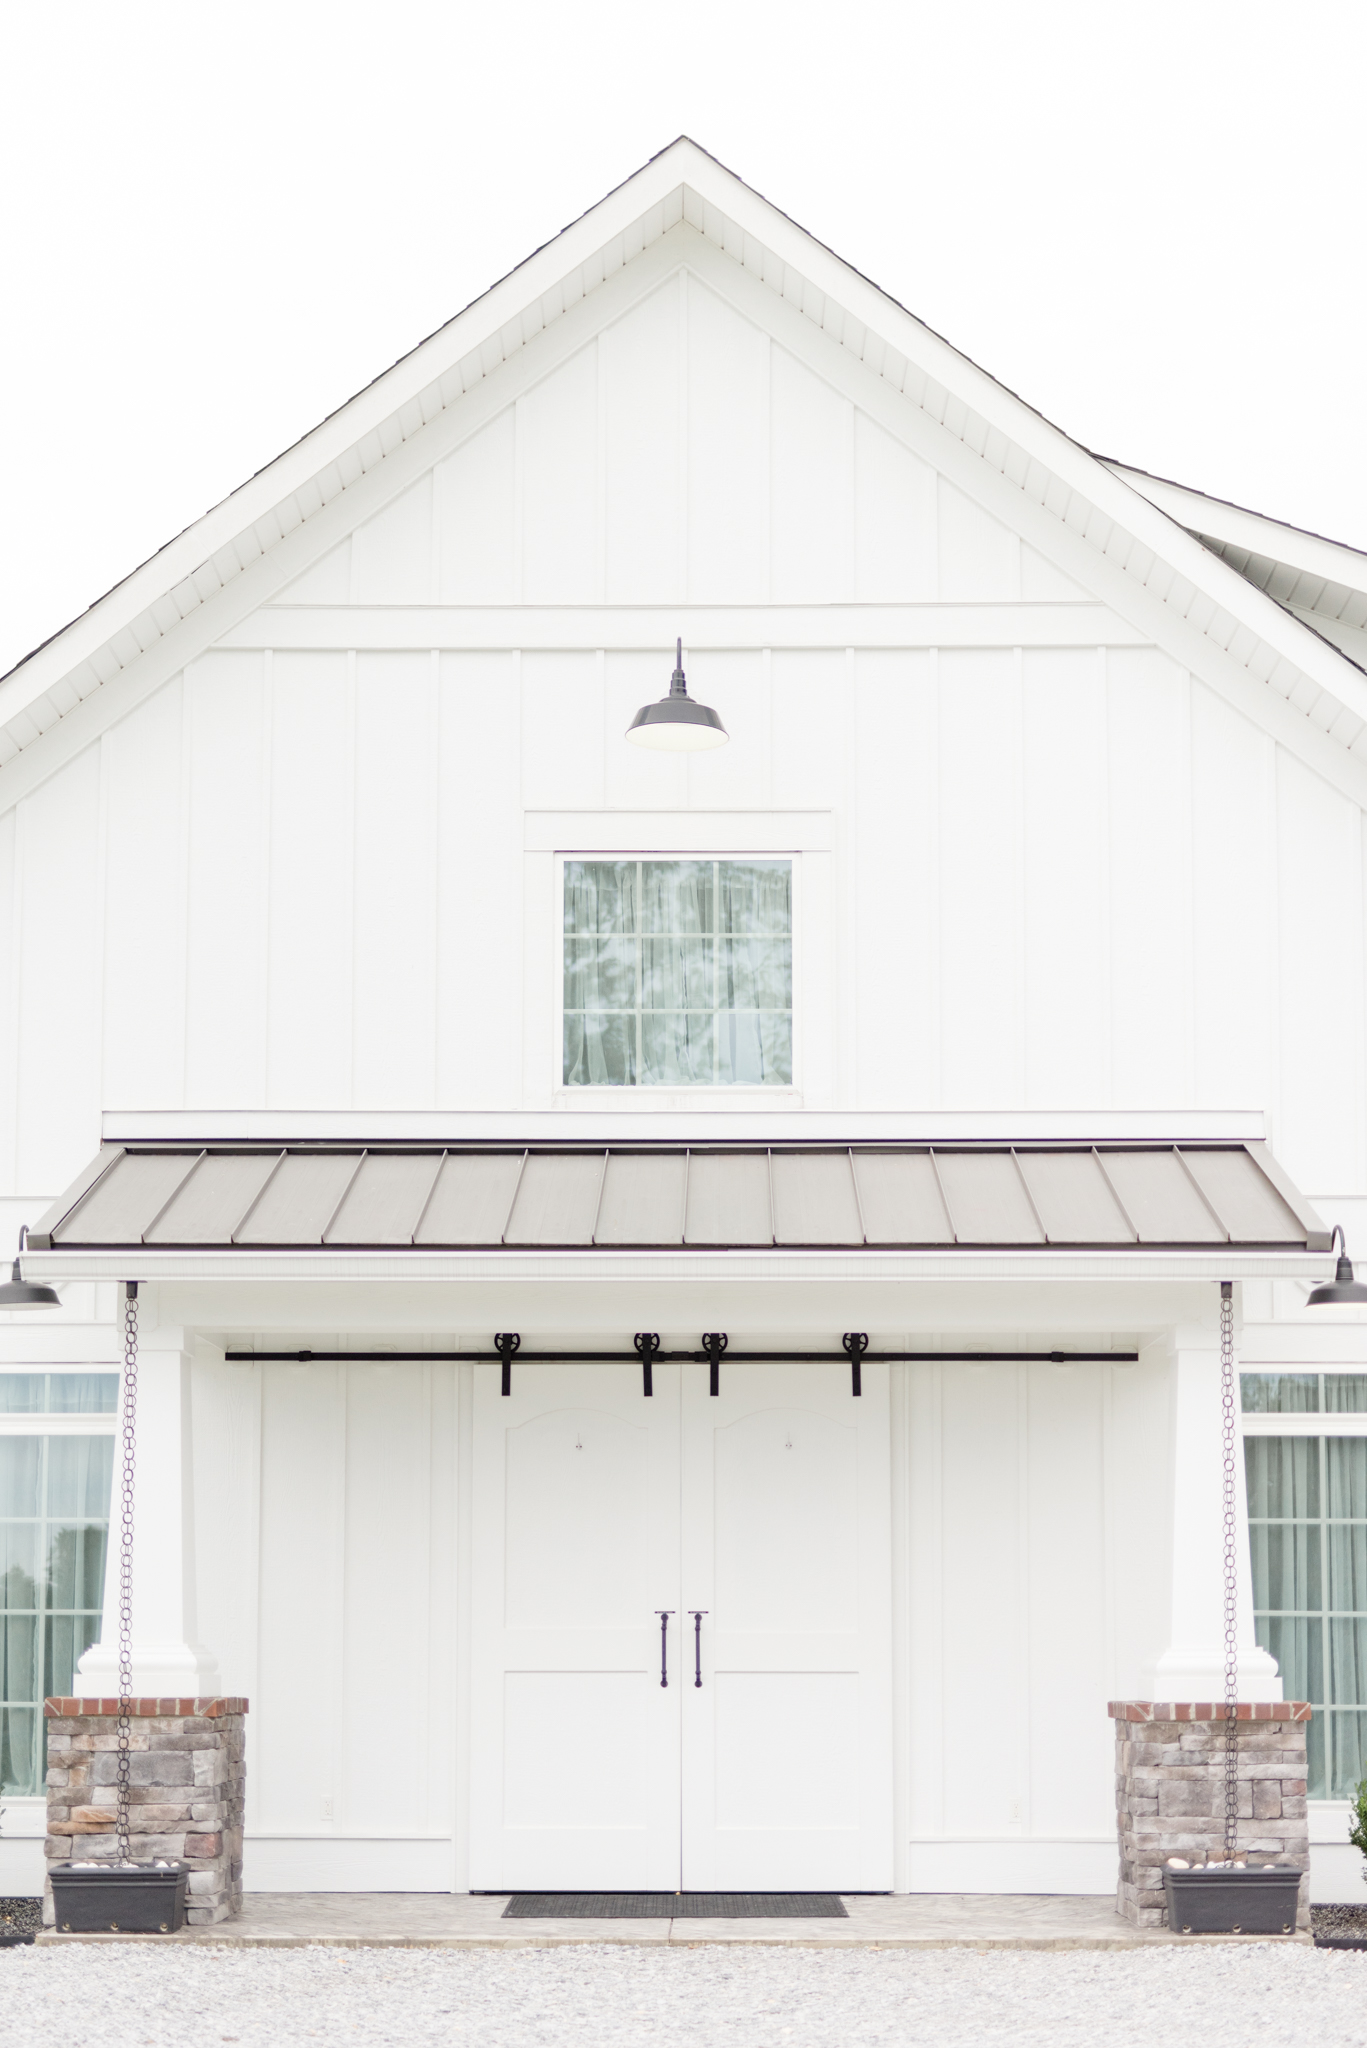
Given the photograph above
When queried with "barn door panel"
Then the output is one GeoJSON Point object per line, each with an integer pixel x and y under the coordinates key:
{"type": "Point", "coordinates": [575, 1743]}
{"type": "Point", "coordinates": [787, 1741]}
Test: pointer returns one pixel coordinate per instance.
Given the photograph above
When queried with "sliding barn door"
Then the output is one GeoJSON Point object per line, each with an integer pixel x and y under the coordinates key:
{"type": "Point", "coordinates": [575, 1743]}
{"type": "Point", "coordinates": [787, 1742]}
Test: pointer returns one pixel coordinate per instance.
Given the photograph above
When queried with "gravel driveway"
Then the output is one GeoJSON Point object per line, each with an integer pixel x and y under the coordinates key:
{"type": "Point", "coordinates": [680, 1998]}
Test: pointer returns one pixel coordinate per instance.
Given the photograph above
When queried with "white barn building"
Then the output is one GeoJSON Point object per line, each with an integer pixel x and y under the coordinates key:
{"type": "Point", "coordinates": [997, 991]}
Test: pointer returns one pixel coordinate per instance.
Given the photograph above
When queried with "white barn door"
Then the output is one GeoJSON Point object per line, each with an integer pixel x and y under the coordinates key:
{"type": "Point", "coordinates": [767, 1511]}
{"type": "Point", "coordinates": [787, 1743]}
{"type": "Point", "coordinates": [574, 1743]}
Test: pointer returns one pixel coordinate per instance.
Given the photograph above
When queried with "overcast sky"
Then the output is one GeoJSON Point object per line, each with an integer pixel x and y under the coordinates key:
{"type": "Point", "coordinates": [220, 222]}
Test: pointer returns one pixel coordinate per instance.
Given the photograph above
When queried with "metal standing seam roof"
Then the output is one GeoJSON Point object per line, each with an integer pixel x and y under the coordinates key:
{"type": "Point", "coordinates": [672, 1196]}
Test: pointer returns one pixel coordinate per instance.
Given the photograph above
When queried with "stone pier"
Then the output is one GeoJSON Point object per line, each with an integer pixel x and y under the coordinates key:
{"type": "Point", "coordinates": [1170, 1793]}
{"type": "Point", "coordinates": [187, 1775]}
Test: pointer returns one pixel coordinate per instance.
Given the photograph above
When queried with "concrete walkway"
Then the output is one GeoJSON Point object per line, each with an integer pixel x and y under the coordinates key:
{"type": "Point", "coordinates": [443, 1920]}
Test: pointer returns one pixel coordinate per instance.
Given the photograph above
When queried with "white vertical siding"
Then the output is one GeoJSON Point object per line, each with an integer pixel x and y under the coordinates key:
{"type": "Point", "coordinates": [1020, 1621]}
{"type": "Point", "coordinates": [309, 1055]}
{"type": "Point", "coordinates": [1059, 877]}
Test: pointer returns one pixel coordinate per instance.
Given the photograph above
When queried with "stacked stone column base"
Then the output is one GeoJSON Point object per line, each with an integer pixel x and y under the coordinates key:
{"type": "Point", "coordinates": [187, 1774]}
{"type": "Point", "coordinates": [1170, 1793]}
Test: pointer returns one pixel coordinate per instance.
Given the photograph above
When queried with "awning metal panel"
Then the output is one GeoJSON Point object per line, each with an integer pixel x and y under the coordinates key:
{"type": "Point", "coordinates": [643, 1199]}
{"type": "Point", "coordinates": [121, 1205]}
{"type": "Point", "coordinates": [213, 1199]}
{"type": "Point", "coordinates": [472, 1199]}
{"type": "Point", "coordinates": [299, 1199]}
{"type": "Point", "coordinates": [900, 1198]}
{"type": "Point", "coordinates": [1075, 1201]}
{"type": "Point", "coordinates": [338, 1198]}
{"type": "Point", "coordinates": [1241, 1195]}
{"type": "Point", "coordinates": [729, 1199]}
{"type": "Point", "coordinates": [814, 1199]}
{"type": "Point", "coordinates": [384, 1201]}
{"type": "Point", "coordinates": [1161, 1199]}
{"type": "Point", "coordinates": [987, 1198]}
{"type": "Point", "coordinates": [557, 1199]}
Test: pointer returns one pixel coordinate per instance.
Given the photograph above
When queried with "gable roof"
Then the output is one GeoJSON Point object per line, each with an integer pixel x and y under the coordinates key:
{"type": "Point", "coordinates": [1136, 553]}
{"type": "Point", "coordinates": [1321, 582]}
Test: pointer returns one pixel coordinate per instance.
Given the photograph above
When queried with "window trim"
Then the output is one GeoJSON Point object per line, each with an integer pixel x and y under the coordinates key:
{"type": "Point", "coordinates": [1339, 1423]}
{"type": "Point", "coordinates": [41, 1427]}
{"type": "Point", "coordinates": [744, 1095]}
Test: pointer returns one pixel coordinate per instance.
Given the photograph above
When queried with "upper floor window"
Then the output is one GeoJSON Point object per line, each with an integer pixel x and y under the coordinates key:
{"type": "Point", "coordinates": [678, 973]}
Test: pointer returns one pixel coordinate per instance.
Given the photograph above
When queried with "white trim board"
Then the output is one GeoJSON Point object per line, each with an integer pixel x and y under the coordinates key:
{"type": "Point", "coordinates": [531, 1127]}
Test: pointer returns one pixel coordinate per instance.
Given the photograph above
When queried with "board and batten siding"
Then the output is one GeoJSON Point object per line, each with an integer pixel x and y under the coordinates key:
{"type": "Point", "coordinates": [334, 1564]}
{"type": "Point", "coordinates": [1045, 867]}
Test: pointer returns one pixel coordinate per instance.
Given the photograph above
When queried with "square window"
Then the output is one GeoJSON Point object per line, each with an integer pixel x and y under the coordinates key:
{"type": "Point", "coordinates": [678, 974]}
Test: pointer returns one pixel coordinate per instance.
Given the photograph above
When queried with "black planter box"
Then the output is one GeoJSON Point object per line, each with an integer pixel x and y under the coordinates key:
{"type": "Point", "coordinates": [137, 1899]}
{"type": "Point", "coordinates": [1232, 1901]}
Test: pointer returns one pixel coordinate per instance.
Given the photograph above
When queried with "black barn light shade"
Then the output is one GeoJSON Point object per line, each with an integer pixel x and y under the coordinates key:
{"type": "Point", "coordinates": [677, 724]}
{"type": "Point", "coordinates": [20, 1293]}
{"type": "Point", "coordinates": [1343, 1287]}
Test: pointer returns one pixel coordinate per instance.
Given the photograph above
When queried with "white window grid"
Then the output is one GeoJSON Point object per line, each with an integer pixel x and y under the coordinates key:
{"type": "Point", "coordinates": [721, 1091]}
{"type": "Point", "coordinates": [1321, 1424]}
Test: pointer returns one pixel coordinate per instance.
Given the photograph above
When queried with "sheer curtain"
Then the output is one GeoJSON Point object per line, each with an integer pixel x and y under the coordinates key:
{"type": "Point", "coordinates": [1307, 1514]}
{"type": "Point", "coordinates": [678, 973]}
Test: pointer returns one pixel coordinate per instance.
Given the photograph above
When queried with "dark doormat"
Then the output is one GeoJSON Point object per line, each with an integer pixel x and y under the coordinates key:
{"type": "Point", "coordinates": [674, 1906]}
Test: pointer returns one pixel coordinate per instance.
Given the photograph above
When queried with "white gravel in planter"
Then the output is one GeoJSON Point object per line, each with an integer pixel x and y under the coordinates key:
{"type": "Point", "coordinates": [705, 1997]}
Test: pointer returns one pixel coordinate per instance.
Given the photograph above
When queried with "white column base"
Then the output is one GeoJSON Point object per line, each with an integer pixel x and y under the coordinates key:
{"type": "Point", "coordinates": [160, 1671]}
{"type": "Point", "coordinates": [1192, 1674]}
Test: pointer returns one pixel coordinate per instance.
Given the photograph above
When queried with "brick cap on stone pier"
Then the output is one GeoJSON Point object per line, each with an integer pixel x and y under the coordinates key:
{"type": "Point", "coordinates": [142, 1709]}
{"type": "Point", "coordinates": [1208, 1710]}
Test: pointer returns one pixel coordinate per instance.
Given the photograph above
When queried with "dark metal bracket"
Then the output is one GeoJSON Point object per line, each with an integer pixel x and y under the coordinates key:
{"type": "Point", "coordinates": [856, 1343]}
{"type": "Point", "coordinates": [713, 1344]}
{"type": "Point", "coordinates": [506, 1343]}
{"type": "Point", "coordinates": [648, 1349]}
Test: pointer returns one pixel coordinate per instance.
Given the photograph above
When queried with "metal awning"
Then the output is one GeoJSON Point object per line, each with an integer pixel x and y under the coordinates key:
{"type": "Point", "coordinates": [338, 1198]}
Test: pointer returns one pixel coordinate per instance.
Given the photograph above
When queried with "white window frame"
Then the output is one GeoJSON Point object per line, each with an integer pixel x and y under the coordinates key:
{"type": "Point", "coordinates": [1326, 1814]}
{"type": "Point", "coordinates": [744, 1095]}
{"type": "Point", "coordinates": [25, 1811]}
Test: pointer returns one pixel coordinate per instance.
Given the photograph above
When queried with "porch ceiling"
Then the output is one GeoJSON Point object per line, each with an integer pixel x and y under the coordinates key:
{"type": "Point", "coordinates": [970, 1198]}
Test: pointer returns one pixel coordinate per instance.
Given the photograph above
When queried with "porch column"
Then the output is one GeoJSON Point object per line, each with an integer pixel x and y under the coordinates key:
{"type": "Point", "coordinates": [168, 1659]}
{"type": "Point", "coordinates": [1192, 1666]}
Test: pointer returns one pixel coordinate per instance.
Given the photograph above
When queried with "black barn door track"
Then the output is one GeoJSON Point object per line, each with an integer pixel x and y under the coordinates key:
{"type": "Point", "coordinates": [674, 1906]}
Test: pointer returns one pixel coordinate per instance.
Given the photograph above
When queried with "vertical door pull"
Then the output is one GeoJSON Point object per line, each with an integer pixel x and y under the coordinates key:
{"type": "Point", "coordinates": [697, 1614]}
{"type": "Point", "coordinates": [664, 1614]}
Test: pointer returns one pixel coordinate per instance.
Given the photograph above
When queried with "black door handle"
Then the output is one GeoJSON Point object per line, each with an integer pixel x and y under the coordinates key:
{"type": "Point", "coordinates": [697, 1614]}
{"type": "Point", "coordinates": [664, 1614]}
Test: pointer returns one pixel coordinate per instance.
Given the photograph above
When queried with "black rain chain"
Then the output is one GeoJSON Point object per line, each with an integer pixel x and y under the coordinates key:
{"type": "Point", "coordinates": [1231, 1573]}
{"type": "Point", "coordinates": [129, 1419]}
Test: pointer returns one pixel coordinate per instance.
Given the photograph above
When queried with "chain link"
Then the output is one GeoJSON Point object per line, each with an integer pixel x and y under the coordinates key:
{"type": "Point", "coordinates": [129, 1419]}
{"type": "Point", "coordinates": [1231, 1572]}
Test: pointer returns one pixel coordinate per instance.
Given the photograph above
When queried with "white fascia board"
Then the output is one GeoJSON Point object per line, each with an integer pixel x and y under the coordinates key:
{"type": "Point", "coordinates": [780, 1268]}
{"type": "Point", "coordinates": [1234, 526]}
{"type": "Point", "coordinates": [620, 1122]}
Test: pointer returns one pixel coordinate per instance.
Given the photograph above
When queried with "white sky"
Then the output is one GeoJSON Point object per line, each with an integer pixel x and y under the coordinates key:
{"type": "Point", "coordinates": [219, 222]}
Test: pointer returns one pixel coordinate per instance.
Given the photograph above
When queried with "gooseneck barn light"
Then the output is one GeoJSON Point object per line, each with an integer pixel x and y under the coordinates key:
{"type": "Point", "coordinates": [676, 724]}
{"type": "Point", "coordinates": [20, 1293]}
{"type": "Point", "coordinates": [1343, 1287]}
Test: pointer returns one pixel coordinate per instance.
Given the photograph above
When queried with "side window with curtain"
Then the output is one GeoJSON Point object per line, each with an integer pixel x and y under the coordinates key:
{"type": "Point", "coordinates": [54, 1528]}
{"type": "Point", "coordinates": [1307, 1515]}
